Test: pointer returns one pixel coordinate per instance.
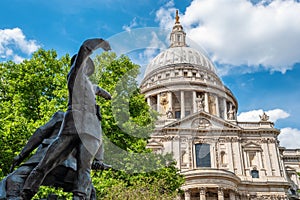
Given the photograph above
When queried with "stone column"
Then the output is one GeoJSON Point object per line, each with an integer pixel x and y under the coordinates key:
{"type": "Point", "coordinates": [158, 103]}
{"type": "Point", "coordinates": [247, 164]}
{"type": "Point", "coordinates": [206, 104]}
{"type": "Point", "coordinates": [225, 109]}
{"type": "Point", "coordinates": [237, 196]}
{"type": "Point", "coordinates": [220, 194]}
{"type": "Point", "coordinates": [149, 101]}
{"type": "Point", "coordinates": [274, 158]}
{"type": "Point", "coordinates": [194, 102]}
{"type": "Point", "coordinates": [260, 164]}
{"type": "Point", "coordinates": [217, 106]}
{"type": "Point", "coordinates": [281, 165]}
{"type": "Point", "coordinates": [202, 193]}
{"type": "Point", "coordinates": [267, 160]}
{"type": "Point", "coordinates": [231, 195]}
{"type": "Point", "coordinates": [230, 158]}
{"type": "Point", "coordinates": [238, 158]}
{"type": "Point", "coordinates": [182, 105]}
{"type": "Point", "coordinates": [187, 195]}
{"type": "Point", "coordinates": [170, 99]}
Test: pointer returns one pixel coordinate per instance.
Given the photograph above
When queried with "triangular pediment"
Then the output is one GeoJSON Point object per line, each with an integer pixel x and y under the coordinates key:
{"type": "Point", "coordinates": [202, 120]}
{"type": "Point", "coordinates": [252, 146]}
{"type": "Point", "coordinates": [154, 145]}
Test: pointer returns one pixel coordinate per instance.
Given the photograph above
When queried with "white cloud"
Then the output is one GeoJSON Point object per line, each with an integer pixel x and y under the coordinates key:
{"type": "Point", "coordinates": [253, 115]}
{"type": "Point", "coordinates": [18, 59]}
{"type": "Point", "coordinates": [237, 32]}
{"type": "Point", "coordinates": [156, 44]}
{"type": "Point", "coordinates": [165, 15]}
{"type": "Point", "coordinates": [289, 138]}
{"type": "Point", "coordinates": [14, 42]}
{"type": "Point", "coordinates": [277, 114]}
{"type": "Point", "coordinates": [132, 24]}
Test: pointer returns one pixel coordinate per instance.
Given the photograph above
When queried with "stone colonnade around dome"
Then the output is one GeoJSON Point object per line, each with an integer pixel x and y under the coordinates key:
{"type": "Point", "coordinates": [178, 92]}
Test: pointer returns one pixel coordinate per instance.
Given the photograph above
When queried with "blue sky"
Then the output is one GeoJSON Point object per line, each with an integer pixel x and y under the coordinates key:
{"type": "Point", "coordinates": [254, 45]}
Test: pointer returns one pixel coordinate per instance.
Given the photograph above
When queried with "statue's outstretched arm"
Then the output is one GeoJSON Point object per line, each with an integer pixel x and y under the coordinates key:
{"type": "Point", "coordinates": [102, 93]}
{"type": "Point", "coordinates": [36, 139]}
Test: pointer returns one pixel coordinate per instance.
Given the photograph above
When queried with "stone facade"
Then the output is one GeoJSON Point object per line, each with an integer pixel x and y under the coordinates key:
{"type": "Point", "coordinates": [220, 157]}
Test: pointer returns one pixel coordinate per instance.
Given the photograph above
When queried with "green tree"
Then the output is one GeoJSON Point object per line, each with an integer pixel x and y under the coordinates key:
{"type": "Point", "coordinates": [30, 92]}
{"type": "Point", "coordinates": [127, 124]}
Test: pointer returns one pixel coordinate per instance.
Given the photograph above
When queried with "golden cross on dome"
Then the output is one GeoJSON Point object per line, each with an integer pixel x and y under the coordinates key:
{"type": "Point", "coordinates": [177, 17]}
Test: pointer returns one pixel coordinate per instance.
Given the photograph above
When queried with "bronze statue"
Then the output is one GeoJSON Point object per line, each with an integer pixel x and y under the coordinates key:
{"type": "Point", "coordinates": [61, 176]}
{"type": "Point", "coordinates": [80, 129]}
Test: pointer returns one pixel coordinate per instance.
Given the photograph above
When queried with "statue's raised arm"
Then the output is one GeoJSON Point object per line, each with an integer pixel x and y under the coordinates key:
{"type": "Point", "coordinates": [86, 49]}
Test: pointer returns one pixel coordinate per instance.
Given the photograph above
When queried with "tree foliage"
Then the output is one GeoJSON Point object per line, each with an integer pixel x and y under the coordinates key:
{"type": "Point", "coordinates": [127, 124]}
{"type": "Point", "coordinates": [30, 92]}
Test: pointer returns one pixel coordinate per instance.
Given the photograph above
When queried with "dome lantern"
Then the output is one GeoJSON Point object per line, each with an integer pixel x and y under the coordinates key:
{"type": "Point", "coordinates": [177, 36]}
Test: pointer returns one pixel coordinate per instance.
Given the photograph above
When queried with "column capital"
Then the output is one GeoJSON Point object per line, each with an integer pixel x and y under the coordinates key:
{"type": "Point", "coordinates": [202, 190]}
{"type": "Point", "coordinates": [220, 193]}
{"type": "Point", "coordinates": [187, 194]}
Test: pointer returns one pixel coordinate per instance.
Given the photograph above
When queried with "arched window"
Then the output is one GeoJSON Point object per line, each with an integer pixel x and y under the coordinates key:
{"type": "Point", "coordinates": [202, 155]}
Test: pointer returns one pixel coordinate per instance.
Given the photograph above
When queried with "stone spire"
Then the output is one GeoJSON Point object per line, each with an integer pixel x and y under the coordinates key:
{"type": "Point", "coordinates": [177, 36]}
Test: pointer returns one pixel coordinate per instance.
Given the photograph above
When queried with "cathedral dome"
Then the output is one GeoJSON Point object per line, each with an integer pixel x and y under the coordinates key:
{"type": "Point", "coordinates": [181, 81]}
{"type": "Point", "coordinates": [180, 55]}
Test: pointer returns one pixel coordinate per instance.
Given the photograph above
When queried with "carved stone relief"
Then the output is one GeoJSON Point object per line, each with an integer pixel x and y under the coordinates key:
{"type": "Point", "coordinates": [201, 123]}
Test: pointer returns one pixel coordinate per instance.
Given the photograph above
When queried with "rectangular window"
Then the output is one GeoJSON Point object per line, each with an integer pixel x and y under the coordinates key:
{"type": "Point", "coordinates": [177, 114]}
{"type": "Point", "coordinates": [187, 113]}
{"type": "Point", "coordinates": [254, 173]}
{"type": "Point", "coordinates": [202, 155]}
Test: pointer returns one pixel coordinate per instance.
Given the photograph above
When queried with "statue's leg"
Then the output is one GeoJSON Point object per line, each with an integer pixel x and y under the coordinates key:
{"type": "Point", "coordinates": [91, 192]}
{"type": "Point", "coordinates": [93, 195]}
{"type": "Point", "coordinates": [15, 181]}
{"type": "Point", "coordinates": [57, 152]}
{"type": "Point", "coordinates": [84, 162]}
